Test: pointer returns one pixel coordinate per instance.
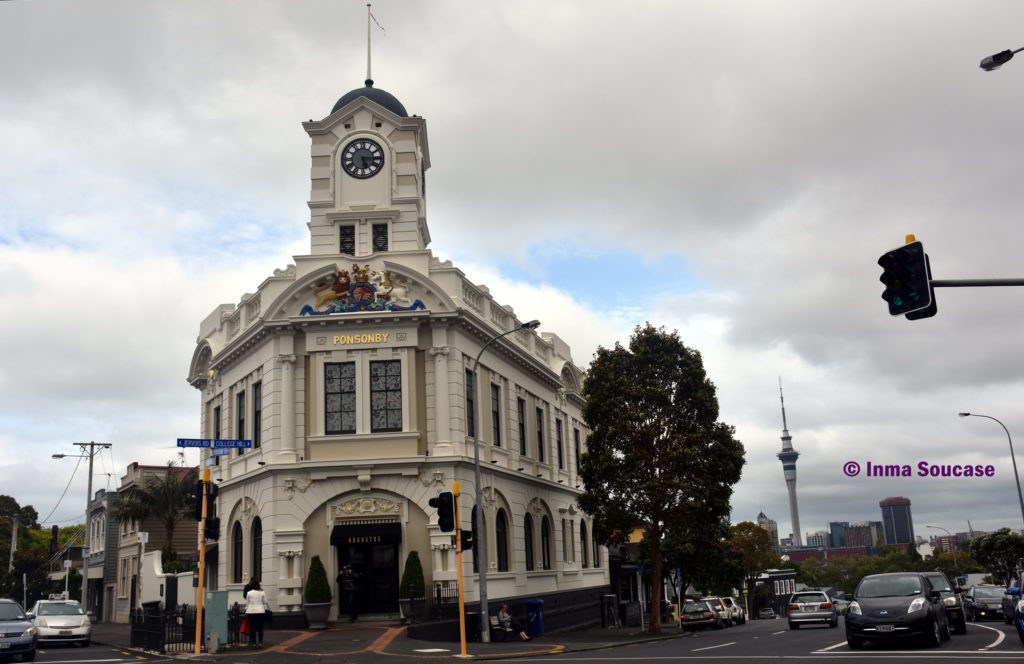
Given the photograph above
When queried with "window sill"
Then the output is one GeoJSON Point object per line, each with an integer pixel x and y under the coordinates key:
{"type": "Point", "coordinates": [364, 445]}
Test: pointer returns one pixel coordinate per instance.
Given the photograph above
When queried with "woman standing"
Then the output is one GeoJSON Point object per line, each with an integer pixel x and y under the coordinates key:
{"type": "Point", "coordinates": [256, 608]}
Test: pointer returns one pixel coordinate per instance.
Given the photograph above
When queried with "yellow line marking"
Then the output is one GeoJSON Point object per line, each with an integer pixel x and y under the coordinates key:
{"type": "Point", "coordinates": [294, 641]}
{"type": "Point", "coordinates": [385, 639]}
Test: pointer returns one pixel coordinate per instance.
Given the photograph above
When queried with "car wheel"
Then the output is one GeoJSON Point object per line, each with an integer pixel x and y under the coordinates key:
{"type": "Point", "coordinates": [935, 637]}
{"type": "Point", "coordinates": [960, 626]}
{"type": "Point", "coordinates": [854, 642]}
{"type": "Point", "coordinates": [946, 635]}
{"type": "Point", "coordinates": [28, 656]}
{"type": "Point", "coordinates": [86, 643]}
{"type": "Point", "coordinates": [794, 625]}
{"type": "Point", "coordinates": [834, 623]}
{"type": "Point", "coordinates": [1007, 619]}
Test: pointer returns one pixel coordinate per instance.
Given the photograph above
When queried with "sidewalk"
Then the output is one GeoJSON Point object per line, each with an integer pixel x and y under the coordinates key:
{"type": "Point", "coordinates": [341, 639]}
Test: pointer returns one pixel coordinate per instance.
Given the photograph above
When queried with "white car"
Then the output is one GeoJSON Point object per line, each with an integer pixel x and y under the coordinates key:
{"type": "Point", "coordinates": [61, 621]}
{"type": "Point", "coordinates": [739, 615]}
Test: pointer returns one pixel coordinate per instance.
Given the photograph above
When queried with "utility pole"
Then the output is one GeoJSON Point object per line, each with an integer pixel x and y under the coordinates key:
{"type": "Point", "coordinates": [14, 542]}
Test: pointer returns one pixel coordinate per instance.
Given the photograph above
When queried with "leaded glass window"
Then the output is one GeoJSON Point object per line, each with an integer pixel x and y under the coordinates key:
{"type": "Point", "coordinates": [496, 414]}
{"type": "Point", "coordinates": [386, 395]}
{"type": "Point", "coordinates": [380, 237]}
{"type": "Point", "coordinates": [347, 240]}
{"type": "Point", "coordinates": [501, 540]}
{"type": "Point", "coordinates": [340, 398]}
{"type": "Point", "coordinates": [521, 411]}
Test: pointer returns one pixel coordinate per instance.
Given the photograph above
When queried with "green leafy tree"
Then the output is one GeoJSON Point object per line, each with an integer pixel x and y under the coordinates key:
{"type": "Point", "coordinates": [166, 498]}
{"type": "Point", "coordinates": [318, 591]}
{"type": "Point", "coordinates": [412, 583]}
{"type": "Point", "coordinates": [657, 456]}
{"type": "Point", "coordinates": [755, 549]}
{"type": "Point", "coordinates": [1000, 553]}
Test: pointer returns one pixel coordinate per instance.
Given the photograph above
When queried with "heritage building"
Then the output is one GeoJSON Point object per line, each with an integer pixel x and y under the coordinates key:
{"type": "Point", "coordinates": [351, 371]}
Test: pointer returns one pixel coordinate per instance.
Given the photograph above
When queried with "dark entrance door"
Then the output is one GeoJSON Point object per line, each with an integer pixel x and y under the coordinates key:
{"type": "Point", "coordinates": [372, 551]}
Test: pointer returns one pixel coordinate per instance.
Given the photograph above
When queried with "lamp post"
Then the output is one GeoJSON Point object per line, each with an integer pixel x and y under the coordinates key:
{"type": "Point", "coordinates": [997, 60]}
{"type": "Point", "coordinates": [952, 543]}
{"type": "Point", "coordinates": [1020, 497]}
{"type": "Point", "coordinates": [480, 537]}
{"type": "Point", "coordinates": [86, 454]}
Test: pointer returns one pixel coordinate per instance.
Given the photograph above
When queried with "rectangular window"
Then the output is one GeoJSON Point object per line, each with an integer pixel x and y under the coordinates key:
{"type": "Point", "coordinates": [540, 435]}
{"type": "Point", "coordinates": [257, 415]}
{"type": "Point", "coordinates": [521, 411]}
{"type": "Point", "coordinates": [470, 406]}
{"type": "Point", "coordinates": [216, 431]}
{"type": "Point", "coordinates": [340, 398]}
{"type": "Point", "coordinates": [565, 541]}
{"type": "Point", "coordinates": [347, 236]}
{"type": "Point", "coordinates": [240, 419]}
{"type": "Point", "coordinates": [558, 444]}
{"type": "Point", "coordinates": [380, 237]}
{"type": "Point", "coordinates": [386, 395]}
{"type": "Point", "coordinates": [496, 415]}
{"type": "Point", "coordinates": [576, 447]}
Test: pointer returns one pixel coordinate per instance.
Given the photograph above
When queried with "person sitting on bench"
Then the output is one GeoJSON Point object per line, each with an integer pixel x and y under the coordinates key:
{"type": "Point", "coordinates": [506, 620]}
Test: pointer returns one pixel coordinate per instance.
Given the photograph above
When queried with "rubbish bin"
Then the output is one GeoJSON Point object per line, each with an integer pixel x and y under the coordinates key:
{"type": "Point", "coordinates": [534, 617]}
{"type": "Point", "coordinates": [473, 626]}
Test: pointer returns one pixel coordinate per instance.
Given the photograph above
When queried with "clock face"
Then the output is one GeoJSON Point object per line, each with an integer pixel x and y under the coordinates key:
{"type": "Point", "coordinates": [362, 158]}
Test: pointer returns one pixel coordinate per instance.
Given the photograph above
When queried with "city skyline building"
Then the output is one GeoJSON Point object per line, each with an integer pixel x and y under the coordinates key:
{"type": "Point", "coordinates": [772, 526]}
{"type": "Point", "coordinates": [788, 457]}
{"type": "Point", "coordinates": [898, 521]}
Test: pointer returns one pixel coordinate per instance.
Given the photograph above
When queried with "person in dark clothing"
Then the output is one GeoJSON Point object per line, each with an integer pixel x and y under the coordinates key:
{"type": "Point", "coordinates": [349, 589]}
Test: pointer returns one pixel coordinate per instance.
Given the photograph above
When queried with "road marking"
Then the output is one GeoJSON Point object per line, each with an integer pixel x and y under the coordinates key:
{"type": "Point", "coordinates": [720, 645]}
{"type": "Point", "coordinates": [999, 639]}
{"type": "Point", "coordinates": [779, 632]}
{"type": "Point", "coordinates": [841, 643]}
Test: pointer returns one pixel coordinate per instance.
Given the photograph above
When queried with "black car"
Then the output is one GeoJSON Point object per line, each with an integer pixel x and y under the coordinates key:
{"type": "Point", "coordinates": [984, 601]}
{"type": "Point", "coordinates": [954, 603]}
{"type": "Point", "coordinates": [896, 606]}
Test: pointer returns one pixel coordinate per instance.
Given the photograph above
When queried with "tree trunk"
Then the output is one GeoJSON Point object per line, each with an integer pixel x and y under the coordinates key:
{"type": "Point", "coordinates": [655, 554]}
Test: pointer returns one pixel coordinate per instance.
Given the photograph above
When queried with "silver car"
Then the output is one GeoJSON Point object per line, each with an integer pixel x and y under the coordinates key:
{"type": "Point", "coordinates": [61, 621]}
{"type": "Point", "coordinates": [811, 606]}
{"type": "Point", "coordinates": [17, 633]}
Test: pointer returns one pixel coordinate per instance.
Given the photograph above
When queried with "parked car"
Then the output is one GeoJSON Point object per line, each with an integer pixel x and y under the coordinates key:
{"type": "Point", "coordinates": [1010, 600]}
{"type": "Point", "coordinates": [699, 615]}
{"type": "Point", "coordinates": [1018, 619]}
{"type": "Point", "coordinates": [953, 601]}
{"type": "Point", "coordinates": [17, 633]}
{"type": "Point", "coordinates": [767, 613]}
{"type": "Point", "coordinates": [61, 621]}
{"type": "Point", "coordinates": [811, 606]}
{"type": "Point", "coordinates": [736, 610]}
{"type": "Point", "coordinates": [984, 601]}
{"type": "Point", "coordinates": [724, 613]}
{"type": "Point", "coordinates": [895, 606]}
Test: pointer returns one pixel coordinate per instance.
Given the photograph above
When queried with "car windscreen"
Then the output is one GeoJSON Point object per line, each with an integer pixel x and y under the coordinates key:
{"type": "Point", "coordinates": [989, 593]}
{"type": "Point", "coordinates": [60, 610]}
{"type": "Point", "coordinates": [11, 612]}
{"type": "Point", "coordinates": [939, 582]}
{"type": "Point", "coordinates": [889, 586]}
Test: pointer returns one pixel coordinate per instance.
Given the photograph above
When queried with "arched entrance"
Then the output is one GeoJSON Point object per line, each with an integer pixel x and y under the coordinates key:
{"type": "Point", "coordinates": [367, 534]}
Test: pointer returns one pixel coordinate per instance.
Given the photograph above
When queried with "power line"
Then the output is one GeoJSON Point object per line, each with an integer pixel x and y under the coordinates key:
{"type": "Point", "coordinates": [43, 521]}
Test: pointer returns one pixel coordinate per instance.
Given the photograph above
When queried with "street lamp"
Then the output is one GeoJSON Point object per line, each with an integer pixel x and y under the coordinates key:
{"type": "Point", "coordinates": [1016, 477]}
{"type": "Point", "coordinates": [481, 537]}
{"type": "Point", "coordinates": [952, 543]}
{"type": "Point", "coordinates": [994, 62]}
{"type": "Point", "coordinates": [86, 454]}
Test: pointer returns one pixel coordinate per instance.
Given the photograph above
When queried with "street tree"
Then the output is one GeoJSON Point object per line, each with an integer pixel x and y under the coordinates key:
{"type": "Point", "coordinates": [167, 498]}
{"type": "Point", "coordinates": [1000, 553]}
{"type": "Point", "coordinates": [756, 549]}
{"type": "Point", "coordinates": [657, 456]}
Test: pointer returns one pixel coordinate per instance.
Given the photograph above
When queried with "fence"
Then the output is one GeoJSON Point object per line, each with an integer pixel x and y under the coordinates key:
{"type": "Point", "coordinates": [174, 630]}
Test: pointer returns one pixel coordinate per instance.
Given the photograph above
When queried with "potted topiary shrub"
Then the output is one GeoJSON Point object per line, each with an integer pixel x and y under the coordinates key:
{"type": "Point", "coordinates": [411, 585]}
{"type": "Point", "coordinates": [317, 595]}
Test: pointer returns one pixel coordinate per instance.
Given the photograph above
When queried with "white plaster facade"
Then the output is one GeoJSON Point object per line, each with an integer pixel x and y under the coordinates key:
{"type": "Point", "coordinates": [266, 357]}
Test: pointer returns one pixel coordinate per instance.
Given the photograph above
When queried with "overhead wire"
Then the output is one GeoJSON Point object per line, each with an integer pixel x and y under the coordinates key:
{"type": "Point", "coordinates": [73, 472]}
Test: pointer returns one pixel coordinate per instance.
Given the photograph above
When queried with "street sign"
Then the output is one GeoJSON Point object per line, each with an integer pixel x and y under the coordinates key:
{"type": "Point", "coordinates": [221, 451]}
{"type": "Point", "coordinates": [213, 442]}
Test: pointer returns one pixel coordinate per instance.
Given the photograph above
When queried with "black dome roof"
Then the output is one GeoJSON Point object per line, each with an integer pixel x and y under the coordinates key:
{"type": "Point", "coordinates": [382, 97]}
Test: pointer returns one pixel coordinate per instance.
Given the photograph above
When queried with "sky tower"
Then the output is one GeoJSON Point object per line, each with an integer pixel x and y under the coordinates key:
{"type": "Point", "coordinates": [788, 457]}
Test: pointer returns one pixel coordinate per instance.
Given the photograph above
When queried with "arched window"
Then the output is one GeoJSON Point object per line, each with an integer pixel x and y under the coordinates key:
{"type": "Point", "coordinates": [597, 549]}
{"type": "Point", "coordinates": [528, 536]}
{"type": "Point", "coordinates": [583, 544]}
{"type": "Point", "coordinates": [501, 540]}
{"type": "Point", "coordinates": [545, 543]}
{"type": "Point", "coordinates": [236, 553]}
{"type": "Point", "coordinates": [257, 549]}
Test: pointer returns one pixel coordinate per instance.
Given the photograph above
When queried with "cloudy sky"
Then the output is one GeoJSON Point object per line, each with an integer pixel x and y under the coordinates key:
{"type": "Point", "coordinates": [731, 170]}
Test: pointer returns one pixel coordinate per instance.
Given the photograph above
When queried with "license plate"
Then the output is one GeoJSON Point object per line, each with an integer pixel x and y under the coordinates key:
{"type": "Point", "coordinates": [65, 632]}
{"type": "Point", "coordinates": [886, 628]}
{"type": "Point", "coordinates": [4, 644]}
{"type": "Point", "coordinates": [808, 608]}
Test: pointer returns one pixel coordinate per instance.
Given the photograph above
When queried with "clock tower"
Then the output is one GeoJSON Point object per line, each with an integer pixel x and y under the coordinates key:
{"type": "Point", "coordinates": [368, 159]}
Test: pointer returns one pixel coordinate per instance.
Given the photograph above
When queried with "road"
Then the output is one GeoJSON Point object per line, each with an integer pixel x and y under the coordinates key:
{"type": "Point", "coordinates": [93, 654]}
{"type": "Point", "coordinates": [766, 640]}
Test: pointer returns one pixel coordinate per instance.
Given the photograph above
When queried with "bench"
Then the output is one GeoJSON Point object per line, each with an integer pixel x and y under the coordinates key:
{"type": "Point", "coordinates": [498, 631]}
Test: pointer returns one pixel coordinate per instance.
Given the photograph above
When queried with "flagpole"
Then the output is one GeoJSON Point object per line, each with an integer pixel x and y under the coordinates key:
{"type": "Point", "coordinates": [368, 76]}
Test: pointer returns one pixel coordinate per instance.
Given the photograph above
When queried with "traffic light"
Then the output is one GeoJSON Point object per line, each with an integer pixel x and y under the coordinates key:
{"type": "Point", "coordinates": [445, 506]}
{"type": "Point", "coordinates": [932, 308]}
{"type": "Point", "coordinates": [466, 538]}
{"type": "Point", "coordinates": [197, 495]}
{"type": "Point", "coordinates": [212, 531]}
{"type": "Point", "coordinates": [906, 279]}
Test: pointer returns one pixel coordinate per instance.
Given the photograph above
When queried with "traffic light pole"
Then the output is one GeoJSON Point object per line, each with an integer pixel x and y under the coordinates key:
{"type": "Point", "coordinates": [458, 567]}
{"type": "Point", "coordinates": [970, 283]}
{"type": "Point", "coordinates": [202, 565]}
